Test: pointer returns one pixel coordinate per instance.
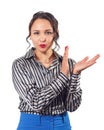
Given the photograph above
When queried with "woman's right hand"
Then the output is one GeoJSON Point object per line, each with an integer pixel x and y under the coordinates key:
{"type": "Point", "coordinates": [65, 66]}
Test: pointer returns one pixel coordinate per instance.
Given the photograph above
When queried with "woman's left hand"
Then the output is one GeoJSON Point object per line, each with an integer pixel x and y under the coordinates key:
{"type": "Point", "coordinates": [84, 64]}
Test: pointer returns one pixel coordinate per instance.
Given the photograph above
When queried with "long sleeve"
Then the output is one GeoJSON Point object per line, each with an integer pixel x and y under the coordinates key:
{"type": "Point", "coordinates": [37, 98]}
{"type": "Point", "coordinates": [74, 93]}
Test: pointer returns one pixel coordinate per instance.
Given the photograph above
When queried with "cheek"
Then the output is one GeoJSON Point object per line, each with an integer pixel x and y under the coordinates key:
{"type": "Point", "coordinates": [34, 39]}
{"type": "Point", "coordinates": [34, 42]}
{"type": "Point", "coordinates": [51, 39]}
{"type": "Point", "coordinates": [50, 42]}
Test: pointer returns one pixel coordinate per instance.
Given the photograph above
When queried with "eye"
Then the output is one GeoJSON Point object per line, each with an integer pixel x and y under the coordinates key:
{"type": "Point", "coordinates": [36, 33]}
{"type": "Point", "coordinates": [49, 32]}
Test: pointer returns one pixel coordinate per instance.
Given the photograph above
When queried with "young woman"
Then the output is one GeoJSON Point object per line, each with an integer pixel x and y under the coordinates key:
{"type": "Point", "coordinates": [48, 84]}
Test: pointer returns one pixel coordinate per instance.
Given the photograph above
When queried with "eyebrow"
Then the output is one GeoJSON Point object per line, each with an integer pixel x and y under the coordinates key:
{"type": "Point", "coordinates": [44, 30]}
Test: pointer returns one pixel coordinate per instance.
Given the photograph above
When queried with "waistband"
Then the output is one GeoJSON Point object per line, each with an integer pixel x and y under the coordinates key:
{"type": "Point", "coordinates": [43, 116]}
{"type": "Point", "coordinates": [35, 117]}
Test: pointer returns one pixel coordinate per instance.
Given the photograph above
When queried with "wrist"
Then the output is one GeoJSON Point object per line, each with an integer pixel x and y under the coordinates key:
{"type": "Point", "coordinates": [76, 72]}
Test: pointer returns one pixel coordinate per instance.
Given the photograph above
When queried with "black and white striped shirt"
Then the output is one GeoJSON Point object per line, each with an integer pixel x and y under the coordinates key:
{"type": "Point", "coordinates": [45, 90]}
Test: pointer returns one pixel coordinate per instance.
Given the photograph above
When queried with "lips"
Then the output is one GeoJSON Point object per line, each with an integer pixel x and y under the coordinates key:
{"type": "Point", "coordinates": [42, 45]}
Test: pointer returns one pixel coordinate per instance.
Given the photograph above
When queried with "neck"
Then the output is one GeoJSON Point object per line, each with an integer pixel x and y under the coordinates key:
{"type": "Point", "coordinates": [44, 57]}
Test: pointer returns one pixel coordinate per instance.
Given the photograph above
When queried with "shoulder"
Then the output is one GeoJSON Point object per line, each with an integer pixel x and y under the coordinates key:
{"type": "Point", "coordinates": [19, 61]}
{"type": "Point", "coordinates": [24, 59]}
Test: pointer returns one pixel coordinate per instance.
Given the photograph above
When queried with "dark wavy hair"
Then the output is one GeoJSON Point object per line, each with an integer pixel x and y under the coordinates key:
{"type": "Point", "coordinates": [53, 21]}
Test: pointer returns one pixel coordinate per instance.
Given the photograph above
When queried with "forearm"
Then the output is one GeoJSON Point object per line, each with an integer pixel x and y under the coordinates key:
{"type": "Point", "coordinates": [74, 93]}
{"type": "Point", "coordinates": [74, 83]}
{"type": "Point", "coordinates": [37, 98]}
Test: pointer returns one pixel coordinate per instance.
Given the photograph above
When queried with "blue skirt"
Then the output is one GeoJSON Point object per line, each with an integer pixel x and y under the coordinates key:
{"type": "Point", "coordinates": [44, 122]}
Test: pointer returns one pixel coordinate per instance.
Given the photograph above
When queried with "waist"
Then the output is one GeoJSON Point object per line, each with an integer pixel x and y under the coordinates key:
{"type": "Point", "coordinates": [46, 117]}
{"type": "Point", "coordinates": [35, 115]}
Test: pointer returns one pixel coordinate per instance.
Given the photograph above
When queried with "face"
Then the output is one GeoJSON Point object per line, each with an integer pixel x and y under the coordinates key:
{"type": "Point", "coordinates": [42, 35]}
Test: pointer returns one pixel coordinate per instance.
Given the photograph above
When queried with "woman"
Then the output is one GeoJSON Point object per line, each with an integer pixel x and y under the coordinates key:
{"type": "Point", "coordinates": [48, 84]}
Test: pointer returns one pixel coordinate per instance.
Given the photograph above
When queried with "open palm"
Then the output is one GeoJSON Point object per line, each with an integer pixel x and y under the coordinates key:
{"type": "Point", "coordinates": [85, 63]}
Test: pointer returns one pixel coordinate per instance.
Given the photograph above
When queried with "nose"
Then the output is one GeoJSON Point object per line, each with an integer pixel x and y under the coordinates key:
{"type": "Point", "coordinates": [42, 38]}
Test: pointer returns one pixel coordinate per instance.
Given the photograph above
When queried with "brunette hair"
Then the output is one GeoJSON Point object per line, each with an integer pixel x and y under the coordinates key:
{"type": "Point", "coordinates": [53, 21]}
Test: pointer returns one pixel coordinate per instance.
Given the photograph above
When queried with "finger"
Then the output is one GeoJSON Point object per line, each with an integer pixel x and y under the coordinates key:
{"type": "Point", "coordinates": [93, 60]}
{"type": "Point", "coordinates": [65, 57]}
{"type": "Point", "coordinates": [95, 57]}
{"type": "Point", "coordinates": [84, 60]}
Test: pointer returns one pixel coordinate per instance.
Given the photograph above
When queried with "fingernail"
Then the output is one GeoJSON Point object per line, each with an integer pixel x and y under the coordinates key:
{"type": "Point", "coordinates": [66, 47]}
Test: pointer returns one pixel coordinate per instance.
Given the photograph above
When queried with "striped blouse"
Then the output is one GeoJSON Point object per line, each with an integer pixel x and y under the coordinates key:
{"type": "Point", "coordinates": [45, 90]}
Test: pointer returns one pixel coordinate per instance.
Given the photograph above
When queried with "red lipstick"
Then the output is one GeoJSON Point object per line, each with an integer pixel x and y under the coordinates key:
{"type": "Point", "coordinates": [42, 45]}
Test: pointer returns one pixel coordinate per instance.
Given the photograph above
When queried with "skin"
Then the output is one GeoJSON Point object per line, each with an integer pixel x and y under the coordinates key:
{"type": "Point", "coordinates": [79, 66]}
{"type": "Point", "coordinates": [42, 34]}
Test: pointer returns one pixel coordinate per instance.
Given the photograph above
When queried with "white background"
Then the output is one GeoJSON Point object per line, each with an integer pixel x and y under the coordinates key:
{"type": "Point", "coordinates": [81, 26]}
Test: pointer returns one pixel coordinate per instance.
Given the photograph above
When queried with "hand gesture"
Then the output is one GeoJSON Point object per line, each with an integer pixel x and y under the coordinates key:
{"type": "Point", "coordinates": [65, 66]}
{"type": "Point", "coordinates": [84, 64]}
